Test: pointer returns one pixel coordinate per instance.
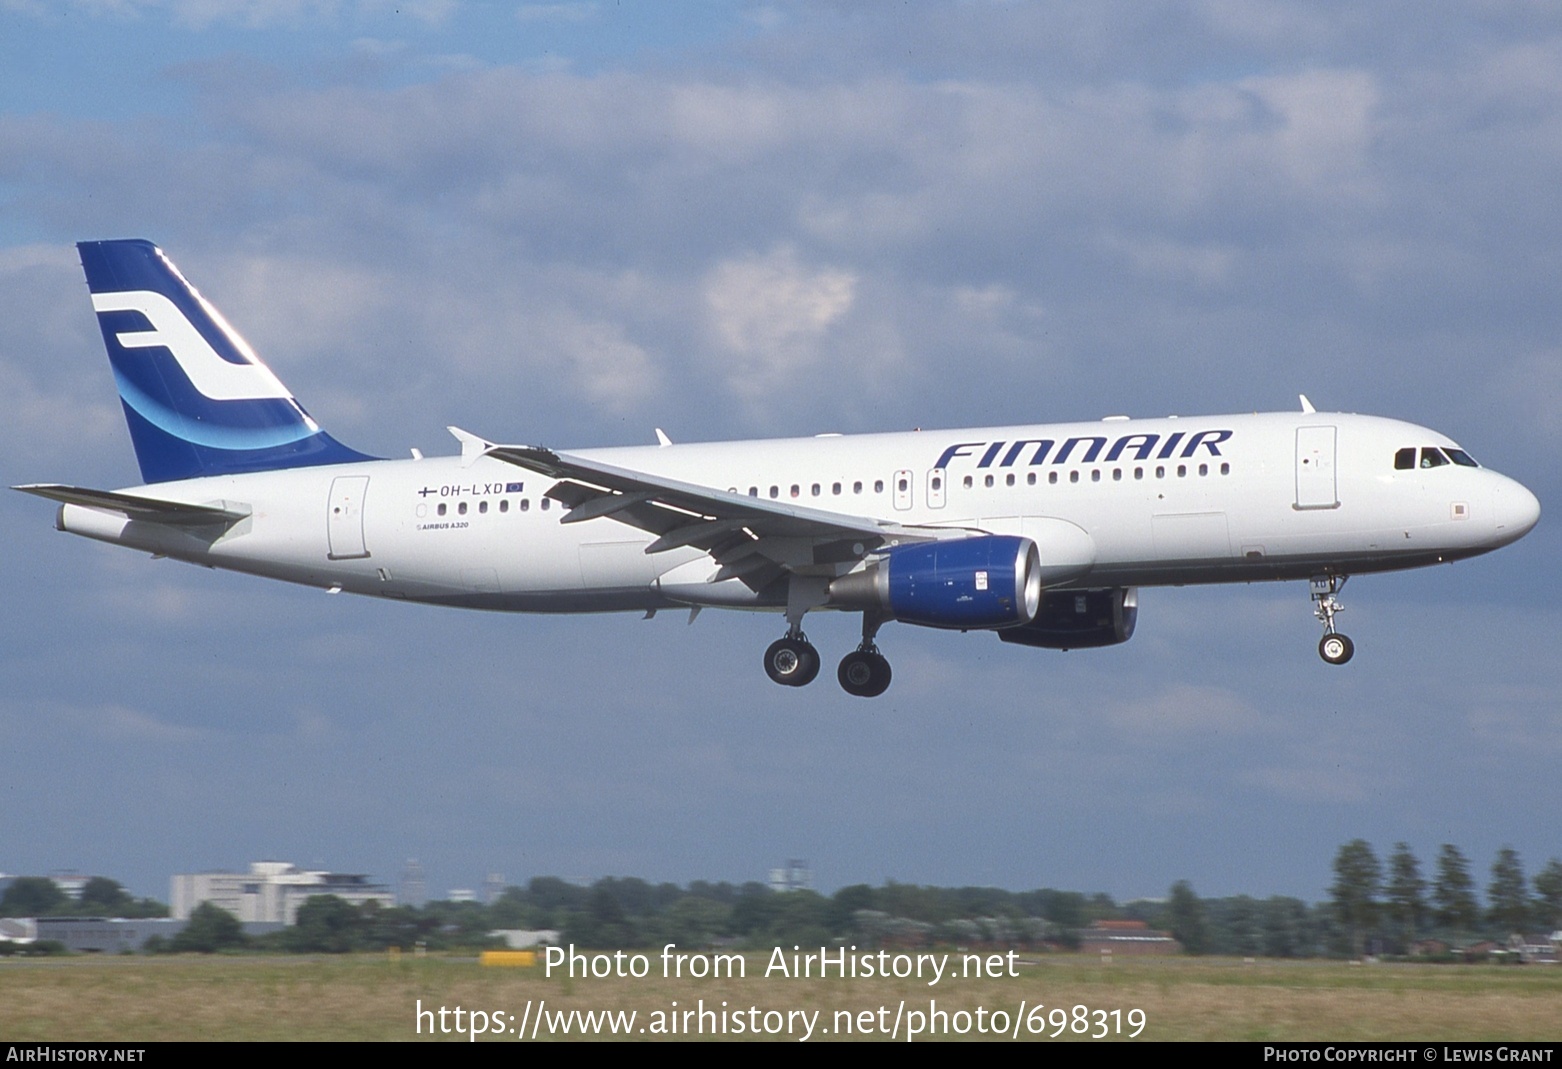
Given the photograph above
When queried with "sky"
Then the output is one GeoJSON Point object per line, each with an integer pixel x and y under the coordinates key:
{"type": "Point", "coordinates": [573, 223]}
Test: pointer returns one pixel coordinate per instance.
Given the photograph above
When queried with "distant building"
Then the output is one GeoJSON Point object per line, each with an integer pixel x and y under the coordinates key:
{"type": "Point", "coordinates": [527, 938]}
{"type": "Point", "coordinates": [106, 935]}
{"type": "Point", "coordinates": [70, 882]}
{"type": "Point", "coordinates": [271, 891]}
{"type": "Point", "coordinates": [794, 876]}
{"type": "Point", "coordinates": [18, 929]}
{"type": "Point", "coordinates": [1126, 937]}
{"type": "Point", "coordinates": [1537, 949]}
{"type": "Point", "coordinates": [414, 887]}
{"type": "Point", "coordinates": [461, 894]}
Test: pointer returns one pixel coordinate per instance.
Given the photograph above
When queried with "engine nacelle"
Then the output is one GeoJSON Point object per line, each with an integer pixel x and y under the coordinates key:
{"type": "Point", "coordinates": [1080, 619]}
{"type": "Point", "coordinates": [989, 581]}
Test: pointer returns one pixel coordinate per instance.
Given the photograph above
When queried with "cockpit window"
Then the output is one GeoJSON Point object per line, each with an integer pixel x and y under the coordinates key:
{"type": "Point", "coordinates": [1432, 458]}
{"type": "Point", "coordinates": [1461, 458]}
{"type": "Point", "coordinates": [1405, 459]}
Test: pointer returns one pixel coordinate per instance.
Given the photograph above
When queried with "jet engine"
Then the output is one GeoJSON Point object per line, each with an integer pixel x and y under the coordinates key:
{"type": "Point", "coordinates": [989, 581]}
{"type": "Point", "coordinates": [1080, 619]}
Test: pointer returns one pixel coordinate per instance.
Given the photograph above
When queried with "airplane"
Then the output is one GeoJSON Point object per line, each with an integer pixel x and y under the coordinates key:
{"type": "Point", "coordinates": [1041, 534]}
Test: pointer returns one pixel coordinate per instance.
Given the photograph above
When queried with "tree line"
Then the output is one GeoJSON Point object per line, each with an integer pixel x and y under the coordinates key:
{"type": "Point", "coordinates": [39, 896]}
{"type": "Point", "coordinates": [1395, 908]}
{"type": "Point", "coordinates": [1372, 908]}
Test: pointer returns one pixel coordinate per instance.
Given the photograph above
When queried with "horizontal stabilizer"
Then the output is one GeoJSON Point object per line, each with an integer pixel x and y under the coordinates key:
{"type": "Point", "coordinates": [131, 506]}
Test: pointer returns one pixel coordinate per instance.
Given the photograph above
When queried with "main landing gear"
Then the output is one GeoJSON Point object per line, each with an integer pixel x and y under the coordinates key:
{"type": "Point", "coordinates": [1333, 647]}
{"type": "Point", "coordinates": [794, 662]}
{"type": "Point", "coordinates": [864, 672]}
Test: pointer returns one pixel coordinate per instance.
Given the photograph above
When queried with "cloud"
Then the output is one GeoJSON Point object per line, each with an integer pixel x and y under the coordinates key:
{"type": "Point", "coordinates": [120, 723]}
{"type": "Point", "coordinates": [769, 315]}
{"type": "Point", "coordinates": [254, 14]}
{"type": "Point", "coordinates": [565, 13]}
{"type": "Point", "coordinates": [1184, 710]}
{"type": "Point", "coordinates": [1341, 783]}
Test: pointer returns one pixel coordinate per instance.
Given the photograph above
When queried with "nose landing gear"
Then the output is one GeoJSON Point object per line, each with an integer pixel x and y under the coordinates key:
{"type": "Point", "coordinates": [1333, 647]}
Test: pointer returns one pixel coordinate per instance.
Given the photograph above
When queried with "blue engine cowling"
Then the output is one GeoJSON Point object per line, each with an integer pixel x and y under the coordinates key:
{"type": "Point", "coordinates": [1080, 619]}
{"type": "Point", "coordinates": [990, 581]}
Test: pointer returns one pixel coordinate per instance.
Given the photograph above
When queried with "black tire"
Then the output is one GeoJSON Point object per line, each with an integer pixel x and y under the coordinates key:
{"type": "Point", "coordinates": [792, 662]}
{"type": "Point", "coordinates": [864, 674]}
{"type": "Point", "coordinates": [1336, 648]}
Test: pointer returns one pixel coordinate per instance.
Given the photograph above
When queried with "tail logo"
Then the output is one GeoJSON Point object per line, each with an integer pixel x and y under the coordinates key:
{"type": "Point", "coordinates": [211, 375]}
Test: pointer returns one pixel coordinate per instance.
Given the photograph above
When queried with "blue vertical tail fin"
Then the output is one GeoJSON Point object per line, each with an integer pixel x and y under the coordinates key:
{"type": "Point", "coordinates": [197, 398]}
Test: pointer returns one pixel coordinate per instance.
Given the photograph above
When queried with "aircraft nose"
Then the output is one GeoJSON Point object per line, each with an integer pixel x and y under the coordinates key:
{"type": "Point", "coordinates": [1516, 510]}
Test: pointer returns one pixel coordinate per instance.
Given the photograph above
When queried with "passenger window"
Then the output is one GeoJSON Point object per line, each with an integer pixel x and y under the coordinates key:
{"type": "Point", "coordinates": [1117, 475]}
{"type": "Point", "coordinates": [835, 488]}
{"type": "Point", "coordinates": [504, 505]}
{"type": "Point", "coordinates": [816, 490]}
{"type": "Point", "coordinates": [1030, 478]}
{"type": "Point", "coordinates": [1203, 469]}
{"type": "Point", "coordinates": [775, 492]}
{"type": "Point", "coordinates": [988, 482]}
{"type": "Point", "coordinates": [968, 482]}
{"type": "Point", "coordinates": [1052, 478]}
{"type": "Point", "coordinates": [1138, 473]}
{"type": "Point", "coordinates": [857, 487]}
{"type": "Point", "coordinates": [482, 507]}
{"type": "Point", "coordinates": [753, 491]}
{"type": "Point", "coordinates": [1008, 480]}
{"type": "Point", "coordinates": [878, 486]}
{"type": "Point", "coordinates": [1225, 469]}
{"type": "Point", "coordinates": [1073, 476]}
{"type": "Point", "coordinates": [1182, 471]}
{"type": "Point", "coordinates": [1405, 459]}
{"type": "Point", "coordinates": [1160, 471]}
{"type": "Point", "coordinates": [796, 489]}
{"type": "Point", "coordinates": [545, 503]}
{"type": "Point", "coordinates": [1095, 475]}
{"type": "Point", "coordinates": [1432, 458]}
{"type": "Point", "coordinates": [441, 509]}
{"type": "Point", "coordinates": [903, 486]}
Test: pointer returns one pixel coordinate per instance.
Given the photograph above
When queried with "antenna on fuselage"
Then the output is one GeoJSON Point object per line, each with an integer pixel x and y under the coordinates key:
{"type": "Point", "coordinates": [1307, 406]}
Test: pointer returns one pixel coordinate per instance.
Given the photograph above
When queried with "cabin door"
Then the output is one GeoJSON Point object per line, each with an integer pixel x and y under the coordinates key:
{"type": "Point", "coordinates": [344, 517]}
{"type": "Point", "coordinates": [1315, 479]}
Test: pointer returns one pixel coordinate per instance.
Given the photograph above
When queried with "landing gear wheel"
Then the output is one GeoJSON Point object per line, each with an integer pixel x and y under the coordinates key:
{"type": "Point", "coordinates": [1336, 648]}
{"type": "Point", "coordinates": [864, 673]}
{"type": "Point", "coordinates": [792, 662]}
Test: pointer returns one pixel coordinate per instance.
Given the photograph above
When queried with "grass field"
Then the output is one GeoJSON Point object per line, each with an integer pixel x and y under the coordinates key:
{"type": "Point", "coordinates": [375, 998]}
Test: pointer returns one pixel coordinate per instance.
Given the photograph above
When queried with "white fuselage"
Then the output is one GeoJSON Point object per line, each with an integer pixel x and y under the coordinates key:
{"type": "Point", "coordinates": [1262, 496]}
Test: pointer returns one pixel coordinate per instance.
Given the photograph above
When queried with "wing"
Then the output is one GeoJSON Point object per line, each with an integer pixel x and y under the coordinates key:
{"type": "Point", "coordinates": [751, 538]}
{"type": "Point", "coordinates": [134, 507]}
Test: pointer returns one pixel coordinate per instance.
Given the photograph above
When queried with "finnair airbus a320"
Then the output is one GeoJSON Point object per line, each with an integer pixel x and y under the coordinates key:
{"type": "Point", "coordinates": [1040, 534]}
